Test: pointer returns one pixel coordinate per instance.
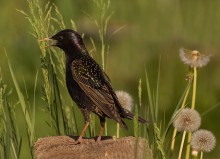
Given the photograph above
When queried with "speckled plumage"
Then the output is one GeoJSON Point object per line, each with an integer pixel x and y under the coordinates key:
{"type": "Point", "coordinates": [87, 83]}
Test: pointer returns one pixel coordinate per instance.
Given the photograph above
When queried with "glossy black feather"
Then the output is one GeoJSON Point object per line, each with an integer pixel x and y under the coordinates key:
{"type": "Point", "coordinates": [89, 76]}
{"type": "Point", "coordinates": [87, 83]}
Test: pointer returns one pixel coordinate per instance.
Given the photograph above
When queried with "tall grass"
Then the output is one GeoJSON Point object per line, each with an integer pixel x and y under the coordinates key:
{"type": "Point", "coordinates": [29, 115]}
{"type": "Point", "coordinates": [10, 138]}
{"type": "Point", "coordinates": [60, 121]}
{"type": "Point", "coordinates": [45, 20]}
{"type": "Point", "coordinates": [158, 135]}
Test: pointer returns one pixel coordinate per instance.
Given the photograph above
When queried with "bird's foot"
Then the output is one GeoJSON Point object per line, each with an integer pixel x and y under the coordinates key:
{"type": "Point", "coordinates": [78, 141]}
{"type": "Point", "coordinates": [99, 138]}
{"type": "Point", "coordinates": [82, 140]}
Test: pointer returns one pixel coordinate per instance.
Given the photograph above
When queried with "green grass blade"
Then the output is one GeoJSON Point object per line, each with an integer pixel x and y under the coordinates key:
{"type": "Point", "coordinates": [8, 128]}
{"type": "Point", "coordinates": [22, 101]}
{"type": "Point", "coordinates": [157, 92]}
{"type": "Point", "coordinates": [34, 103]}
{"type": "Point", "coordinates": [210, 109]}
{"type": "Point", "coordinates": [150, 97]}
{"type": "Point", "coordinates": [177, 107]}
{"type": "Point", "coordinates": [14, 150]}
{"type": "Point", "coordinates": [136, 131]}
{"type": "Point", "coordinates": [140, 92]}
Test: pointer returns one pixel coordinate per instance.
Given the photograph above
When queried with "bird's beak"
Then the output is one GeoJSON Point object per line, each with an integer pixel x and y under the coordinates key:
{"type": "Point", "coordinates": [52, 42]}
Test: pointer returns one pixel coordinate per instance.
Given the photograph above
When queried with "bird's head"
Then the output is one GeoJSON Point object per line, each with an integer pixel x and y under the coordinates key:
{"type": "Point", "coordinates": [67, 40]}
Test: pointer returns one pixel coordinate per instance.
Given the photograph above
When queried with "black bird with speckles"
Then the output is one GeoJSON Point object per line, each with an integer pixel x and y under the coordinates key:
{"type": "Point", "coordinates": [87, 83]}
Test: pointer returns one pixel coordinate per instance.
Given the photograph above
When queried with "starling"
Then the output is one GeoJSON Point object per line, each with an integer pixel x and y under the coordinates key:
{"type": "Point", "coordinates": [87, 83]}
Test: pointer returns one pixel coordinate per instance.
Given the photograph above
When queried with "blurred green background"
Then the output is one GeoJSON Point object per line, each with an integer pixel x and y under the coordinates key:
{"type": "Point", "coordinates": [151, 28]}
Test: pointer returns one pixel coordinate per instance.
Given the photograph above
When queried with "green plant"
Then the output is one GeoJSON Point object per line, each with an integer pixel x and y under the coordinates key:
{"type": "Point", "coordinates": [10, 139]}
{"type": "Point", "coordinates": [45, 19]}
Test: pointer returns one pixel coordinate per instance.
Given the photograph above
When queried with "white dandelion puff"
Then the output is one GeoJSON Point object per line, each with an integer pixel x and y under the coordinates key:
{"type": "Point", "coordinates": [194, 58]}
{"type": "Point", "coordinates": [187, 120]}
{"type": "Point", "coordinates": [203, 140]}
{"type": "Point", "coordinates": [125, 100]}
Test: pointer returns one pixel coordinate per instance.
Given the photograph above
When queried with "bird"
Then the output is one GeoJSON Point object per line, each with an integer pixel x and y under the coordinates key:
{"type": "Point", "coordinates": [87, 83]}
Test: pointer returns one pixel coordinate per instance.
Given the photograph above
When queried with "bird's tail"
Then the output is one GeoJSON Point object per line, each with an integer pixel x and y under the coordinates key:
{"type": "Point", "coordinates": [129, 115]}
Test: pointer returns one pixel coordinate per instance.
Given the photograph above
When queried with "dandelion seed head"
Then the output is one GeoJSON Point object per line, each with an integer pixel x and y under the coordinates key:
{"type": "Point", "coordinates": [194, 58]}
{"type": "Point", "coordinates": [125, 100]}
{"type": "Point", "coordinates": [187, 120]}
{"type": "Point", "coordinates": [203, 140]}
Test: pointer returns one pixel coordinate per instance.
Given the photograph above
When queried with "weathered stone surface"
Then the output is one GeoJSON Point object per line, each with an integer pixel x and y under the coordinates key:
{"type": "Point", "coordinates": [62, 147]}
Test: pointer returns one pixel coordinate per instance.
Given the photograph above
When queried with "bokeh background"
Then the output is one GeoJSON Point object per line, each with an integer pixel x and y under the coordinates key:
{"type": "Point", "coordinates": [151, 29]}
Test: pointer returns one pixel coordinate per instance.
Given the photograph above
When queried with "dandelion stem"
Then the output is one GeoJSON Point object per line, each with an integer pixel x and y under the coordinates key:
{"type": "Point", "coordinates": [194, 88]}
{"type": "Point", "coordinates": [117, 129]}
{"type": "Point", "coordinates": [188, 146]}
{"type": "Point", "coordinates": [201, 155]}
{"type": "Point", "coordinates": [106, 129]}
{"type": "Point", "coordinates": [181, 146]}
{"type": "Point", "coordinates": [103, 54]}
{"type": "Point", "coordinates": [173, 139]}
{"type": "Point", "coordinates": [193, 107]}
{"type": "Point", "coordinates": [175, 131]}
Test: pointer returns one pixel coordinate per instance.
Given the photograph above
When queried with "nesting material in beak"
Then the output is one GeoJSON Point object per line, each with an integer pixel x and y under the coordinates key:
{"type": "Point", "coordinates": [44, 39]}
{"type": "Point", "coordinates": [52, 42]}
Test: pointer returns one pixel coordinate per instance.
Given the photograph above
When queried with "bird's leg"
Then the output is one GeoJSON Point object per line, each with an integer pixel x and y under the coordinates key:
{"type": "Point", "coordinates": [85, 113]}
{"type": "Point", "coordinates": [102, 123]}
{"type": "Point", "coordinates": [82, 133]}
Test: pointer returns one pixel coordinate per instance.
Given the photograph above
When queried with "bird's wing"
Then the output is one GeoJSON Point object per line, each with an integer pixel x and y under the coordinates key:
{"type": "Point", "coordinates": [95, 84]}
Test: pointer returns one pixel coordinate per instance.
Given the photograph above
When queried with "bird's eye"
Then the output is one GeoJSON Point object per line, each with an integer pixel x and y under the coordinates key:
{"type": "Point", "coordinates": [60, 37]}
